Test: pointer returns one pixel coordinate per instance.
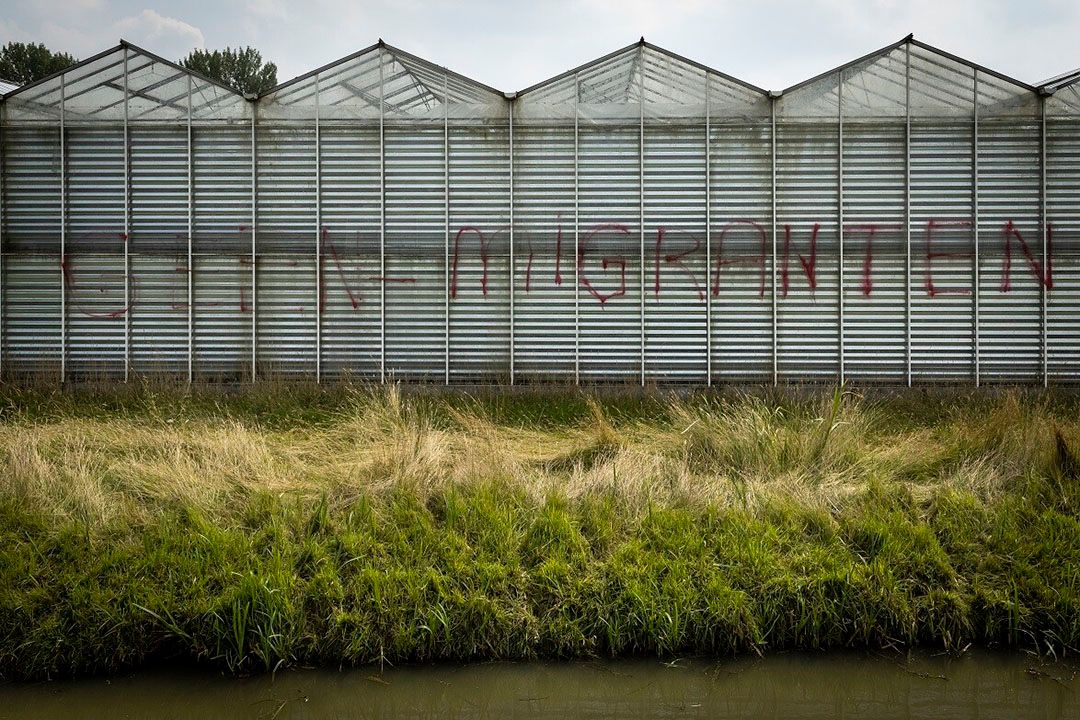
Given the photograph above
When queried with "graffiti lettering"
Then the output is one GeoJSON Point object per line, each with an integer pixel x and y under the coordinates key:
{"type": "Point", "coordinates": [721, 262]}
{"type": "Point", "coordinates": [931, 225]}
{"type": "Point", "coordinates": [677, 260]}
{"type": "Point", "coordinates": [809, 265]}
{"type": "Point", "coordinates": [616, 286]}
{"type": "Point", "coordinates": [1008, 234]}
{"type": "Point", "coordinates": [605, 262]}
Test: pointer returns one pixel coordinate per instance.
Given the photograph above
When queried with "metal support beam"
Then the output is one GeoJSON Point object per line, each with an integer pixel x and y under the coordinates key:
{"type": "Point", "coordinates": [127, 225]}
{"type": "Point", "coordinates": [907, 213]}
{"type": "Point", "coordinates": [318, 238]}
{"type": "Point", "coordinates": [446, 229]}
{"type": "Point", "coordinates": [254, 241]}
{"type": "Point", "coordinates": [510, 109]}
{"type": "Point", "coordinates": [3, 237]}
{"type": "Point", "coordinates": [577, 237]}
{"type": "Point", "coordinates": [840, 218]}
{"type": "Point", "coordinates": [190, 238]}
{"type": "Point", "coordinates": [772, 200]}
{"type": "Point", "coordinates": [1044, 320]}
{"type": "Point", "coordinates": [975, 224]}
{"type": "Point", "coordinates": [382, 217]}
{"type": "Point", "coordinates": [708, 238]}
{"type": "Point", "coordinates": [63, 228]}
{"type": "Point", "coordinates": [641, 202]}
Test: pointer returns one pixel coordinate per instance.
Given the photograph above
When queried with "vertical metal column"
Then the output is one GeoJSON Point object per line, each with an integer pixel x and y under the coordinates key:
{"type": "Point", "coordinates": [708, 238]}
{"type": "Point", "coordinates": [772, 200]}
{"type": "Point", "coordinates": [446, 229]}
{"type": "Point", "coordinates": [840, 215]}
{"type": "Point", "coordinates": [1044, 320]}
{"type": "Point", "coordinates": [318, 238]}
{"type": "Point", "coordinates": [510, 108]}
{"type": "Point", "coordinates": [63, 228]}
{"type": "Point", "coordinates": [382, 219]}
{"type": "Point", "coordinates": [3, 277]}
{"type": "Point", "coordinates": [975, 221]}
{"type": "Point", "coordinates": [254, 238]}
{"type": "Point", "coordinates": [907, 212]}
{"type": "Point", "coordinates": [190, 254]}
{"type": "Point", "coordinates": [577, 239]}
{"type": "Point", "coordinates": [127, 225]}
{"type": "Point", "coordinates": [641, 201]}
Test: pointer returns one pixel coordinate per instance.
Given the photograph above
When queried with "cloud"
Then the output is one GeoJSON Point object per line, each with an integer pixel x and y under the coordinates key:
{"type": "Point", "coordinates": [164, 35]}
{"type": "Point", "coordinates": [267, 9]}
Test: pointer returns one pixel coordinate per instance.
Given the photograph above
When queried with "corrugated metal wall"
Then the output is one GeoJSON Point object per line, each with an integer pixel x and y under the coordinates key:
{"type": "Point", "coordinates": [908, 218]}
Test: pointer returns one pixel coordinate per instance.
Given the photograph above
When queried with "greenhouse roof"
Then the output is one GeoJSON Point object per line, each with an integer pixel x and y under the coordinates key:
{"type": "Point", "coordinates": [382, 80]}
{"type": "Point", "coordinates": [155, 88]}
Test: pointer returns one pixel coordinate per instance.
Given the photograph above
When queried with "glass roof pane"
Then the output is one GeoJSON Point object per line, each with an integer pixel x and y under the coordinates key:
{"type": "Point", "coordinates": [940, 86]}
{"type": "Point", "coordinates": [876, 88]}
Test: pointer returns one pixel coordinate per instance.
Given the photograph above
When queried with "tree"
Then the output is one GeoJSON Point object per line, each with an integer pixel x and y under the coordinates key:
{"type": "Point", "coordinates": [23, 63]}
{"type": "Point", "coordinates": [242, 69]}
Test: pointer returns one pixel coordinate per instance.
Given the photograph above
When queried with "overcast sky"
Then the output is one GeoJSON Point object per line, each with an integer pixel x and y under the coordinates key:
{"type": "Point", "coordinates": [511, 45]}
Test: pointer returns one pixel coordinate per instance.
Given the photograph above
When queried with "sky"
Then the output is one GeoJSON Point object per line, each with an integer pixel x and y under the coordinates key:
{"type": "Point", "coordinates": [511, 45]}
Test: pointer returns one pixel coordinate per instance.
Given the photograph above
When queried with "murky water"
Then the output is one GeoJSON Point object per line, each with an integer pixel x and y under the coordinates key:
{"type": "Point", "coordinates": [796, 685]}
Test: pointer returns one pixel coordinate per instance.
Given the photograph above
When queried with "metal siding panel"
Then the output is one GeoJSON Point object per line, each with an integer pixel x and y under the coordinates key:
{"type": "Point", "coordinates": [942, 332]}
{"type": "Point", "coordinates": [807, 197]}
{"type": "Point", "coordinates": [32, 313]}
{"type": "Point", "coordinates": [415, 252]}
{"type": "Point", "coordinates": [609, 253]}
{"type": "Point", "coordinates": [94, 272]}
{"type": "Point", "coordinates": [32, 275]}
{"type": "Point", "coordinates": [874, 252]}
{"type": "Point", "coordinates": [159, 277]}
{"type": "Point", "coordinates": [479, 213]}
{"type": "Point", "coordinates": [221, 267]}
{"type": "Point", "coordinates": [1063, 216]}
{"type": "Point", "coordinates": [1010, 329]}
{"type": "Point", "coordinates": [544, 238]}
{"type": "Point", "coordinates": [740, 276]}
{"type": "Point", "coordinates": [675, 272]}
{"type": "Point", "coordinates": [350, 250]}
{"type": "Point", "coordinates": [285, 251]}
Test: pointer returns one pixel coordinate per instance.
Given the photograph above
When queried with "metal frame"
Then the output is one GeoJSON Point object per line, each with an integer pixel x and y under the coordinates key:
{"type": "Point", "coordinates": [190, 240]}
{"type": "Point", "coordinates": [318, 238]}
{"type": "Point", "coordinates": [63, 229]}
{"type": "Point", "coordinates": [446, 232]}
{"type": "Point", "coordinates": [1044, 320]}
{"type": "Point", "coordinates": [577, 233]}
{"type": "Point", "coordinates": [975, 227]}
{"type": "Point", "coordinates": [254, 241]}
{"type": "Point", "coordinates": [641, 201]}
{"type": "Point", "coordinates": [775, 223]}
{"type": "Point", "coordinates": [3, 238]}
{"type": "Point", "coordinates": [708, 238]}
{"type": "Point", "coordinates": [840, 217]}
{"type": "Point", "coordinates": [907, 213]}
{"type": "Point", "coordinates": [127, 226]}
{"type": "Point", "coordinates": [510, 122]}
{"type": "Point", "coordinates": [382, 220]}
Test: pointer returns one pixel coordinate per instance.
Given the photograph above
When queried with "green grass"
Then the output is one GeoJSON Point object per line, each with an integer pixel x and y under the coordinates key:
{"type": "Point", "coordinates": [294, 525]}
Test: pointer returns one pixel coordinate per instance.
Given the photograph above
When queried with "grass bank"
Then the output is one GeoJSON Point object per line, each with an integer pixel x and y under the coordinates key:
{"type": "Point", "coordinates": [275, 526]}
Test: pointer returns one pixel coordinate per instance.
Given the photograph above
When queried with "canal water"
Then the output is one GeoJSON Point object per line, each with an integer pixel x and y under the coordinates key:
{"type": "Point", "coordinates": [783, 685]}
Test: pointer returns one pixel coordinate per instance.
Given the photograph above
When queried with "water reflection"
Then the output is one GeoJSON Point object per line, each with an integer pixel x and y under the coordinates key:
{"type": "Point", "coordinates": [786, 685]}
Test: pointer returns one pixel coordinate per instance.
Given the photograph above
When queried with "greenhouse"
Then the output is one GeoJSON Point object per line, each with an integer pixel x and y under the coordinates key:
{"type": "Point", "coordinates": [910, 217]}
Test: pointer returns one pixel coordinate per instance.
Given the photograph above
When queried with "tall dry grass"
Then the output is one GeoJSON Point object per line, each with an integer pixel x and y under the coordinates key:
{"type": "Point", "coordinates": [94, 460]}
